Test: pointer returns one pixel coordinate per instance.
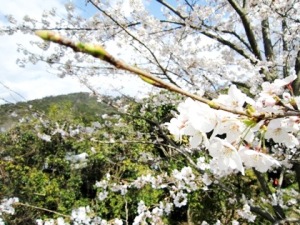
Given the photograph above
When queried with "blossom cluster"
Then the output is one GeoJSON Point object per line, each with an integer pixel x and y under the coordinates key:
{"type": "Point", "coordinates": [179, 183]}
{"type": "Point", "coordinates": [234, 141]}
{"type": "Point", "coordinates": [6, 207]}
{"type": "Point", "coordinates": [80, 216]}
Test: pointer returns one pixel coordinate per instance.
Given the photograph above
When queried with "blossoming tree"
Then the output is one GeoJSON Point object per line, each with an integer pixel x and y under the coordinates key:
{"type": "Point", "coordinates": [238, 65]}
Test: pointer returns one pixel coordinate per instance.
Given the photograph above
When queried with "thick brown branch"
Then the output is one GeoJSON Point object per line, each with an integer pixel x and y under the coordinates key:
{"type": "Point", "coordinates": [220, 40]}
{"type": "Point", "coordinates": [238, 37]}
{"type": "Point", "coordinates": [231, 45]}
{"type": "Point", "coordinates": [171, 8]}
{"type": "Point", "coordinates": [277, 208]}
{"type": "Point", "coordinates": [248, 29]}
{"type": "Point", "coordinates": [296, 83]}
{"type": "Point", "coordinates": [269, 54]}
{"type": "Point", "coordinates": [285, 47]}
{"type": "Point", "coordinates": [134, 37]}
{"type": "Point", "coordinates": [267, 40]}
{"type": "Point", "coordinates": [297, 171]}
{"type": "Point", "coordinates": [262, 213]}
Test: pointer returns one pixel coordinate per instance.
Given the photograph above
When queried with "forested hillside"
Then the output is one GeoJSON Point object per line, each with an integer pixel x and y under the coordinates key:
{"type": "Point", "coordinates": [80, 105]}
{"type": "Point", "coordinates": [56, 156]}
{"type": "Point", "coordinates": [76, 152]}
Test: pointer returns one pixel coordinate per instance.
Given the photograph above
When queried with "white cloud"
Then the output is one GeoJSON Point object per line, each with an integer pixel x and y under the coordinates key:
{"type": "Point", "coordinates": [34, 8]}
{"type": "Point", "coordinates": [34, 81]}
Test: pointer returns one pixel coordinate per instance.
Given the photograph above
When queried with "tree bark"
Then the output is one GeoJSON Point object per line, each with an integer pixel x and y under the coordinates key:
{"type": "Point", "coordinates": [296, 83]}
{"type": "Point", "coordinates": [247, 27]}
{"type": "Point", "coordinates": [267, 40]}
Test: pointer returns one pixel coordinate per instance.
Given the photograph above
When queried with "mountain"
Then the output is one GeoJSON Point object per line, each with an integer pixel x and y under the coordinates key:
{"type": "Point", "coordinates": [81, 105]}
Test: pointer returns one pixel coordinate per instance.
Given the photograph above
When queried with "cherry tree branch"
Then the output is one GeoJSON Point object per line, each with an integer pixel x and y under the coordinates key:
{"type": "Point", "coordinates": [233, 33]}
{"type": "Point", "coordinates": [252, 46]}
{"type": "Point", "coordinates": [26, 28]}
{"type": "Point", "coordinates": [136, 39]}
{"type": "Point", "coordinates": [287, 221]}
{"type": "Point", "coordinates": [296, 83]}
{"type": "Point", "coordinates": [267, 40]}
{"type": "Point", "coordinates": [41, 209]}
{"type": "Point", "coordinates": [210, 35]}
{"type": "Point", "coordinates": [215, 37]}
{"type": "Point", "coordinates": [277, 208]}
{"type": "Point", "coordinates": [285, 47]}
{"type": "Point", "coordinates": [99, 52]}
{"type": "Point", "coordinates": [247, 26]}
{"type": "Point", "coordinates": [262, 213]}
{"type": "Point", "coordinates": [219, 39]}
{"type": "Point", "coordinates": [171, 8]}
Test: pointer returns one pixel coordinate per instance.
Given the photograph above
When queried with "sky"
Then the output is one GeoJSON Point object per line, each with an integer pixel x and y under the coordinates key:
{"type": "Point", "coordinates": [36, 81]}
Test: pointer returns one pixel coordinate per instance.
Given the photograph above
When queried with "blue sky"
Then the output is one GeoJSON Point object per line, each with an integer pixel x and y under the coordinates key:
{"type": "Point", "coordinates": [153, 6]}
{"type": "Point", "coordinates": [35, 81]}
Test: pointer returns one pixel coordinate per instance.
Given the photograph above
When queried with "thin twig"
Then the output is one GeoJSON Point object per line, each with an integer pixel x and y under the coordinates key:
{"type": "Point", "coordinates": [40, 208]}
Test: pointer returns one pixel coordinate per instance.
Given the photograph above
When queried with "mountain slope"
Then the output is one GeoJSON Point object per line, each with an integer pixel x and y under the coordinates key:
{"type": "Point", "coordinates": [80, 105]}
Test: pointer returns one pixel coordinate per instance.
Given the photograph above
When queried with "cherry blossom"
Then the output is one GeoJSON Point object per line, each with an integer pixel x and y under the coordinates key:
{"type": "Point", "coordinates": [225, 156]}
{"type": "Point", "coordinates": [6, 205]}
{"type": "Point", "coordinates": [271, 90]}
{"type": "Point", "coordinates": [201, 117]}
{"type": "Point", "coordinates": [281, 131]}
{"type": "Point", "coordinates": [80, 215]}
{"type": "Point", "coordinates": [234, 99]}
{"type": "Point", "coordinates": [232, 126]}
{"type": "Point", "coordinates": [260, 161]}
{"type": "Point", "coordinates": [194, 124]}
{"type": "Point", "coordinates": [180, 199]}
{"type": "Point", "coordinates": [44, 137]}
{"type": "Point", "coordinates": [246, 213]}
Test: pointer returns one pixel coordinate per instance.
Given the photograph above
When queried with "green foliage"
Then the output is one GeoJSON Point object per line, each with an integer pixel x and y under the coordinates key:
{"type": "Point", "coordinates": [81, 106]}
{"type": "Point", "coordinates": [38, 172]}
